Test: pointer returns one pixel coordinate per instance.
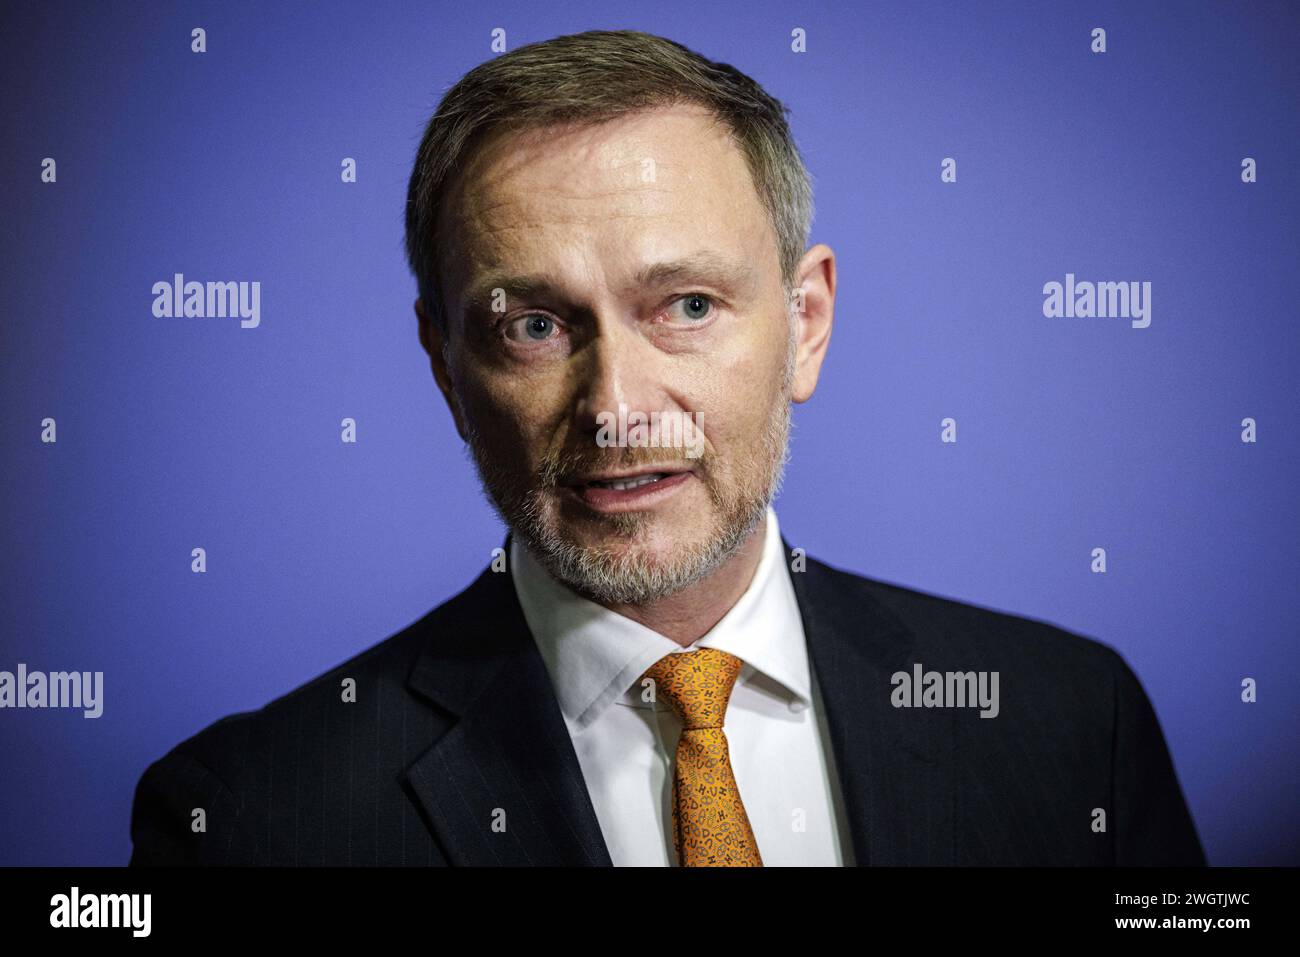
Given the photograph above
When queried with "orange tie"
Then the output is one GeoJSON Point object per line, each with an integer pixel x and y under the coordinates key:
{"type": "Point", "coordinates": [710, 827]}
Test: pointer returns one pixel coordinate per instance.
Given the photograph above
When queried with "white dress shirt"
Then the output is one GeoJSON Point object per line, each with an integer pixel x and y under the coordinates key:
{"type": "Point", "coordinates": [775, 724]}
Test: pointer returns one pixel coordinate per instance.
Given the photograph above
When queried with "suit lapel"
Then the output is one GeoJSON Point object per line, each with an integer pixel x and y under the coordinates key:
{"type": "Point", "coordinates": [894, 764]}
{"type": "Point", "coordinates": [503, 785]}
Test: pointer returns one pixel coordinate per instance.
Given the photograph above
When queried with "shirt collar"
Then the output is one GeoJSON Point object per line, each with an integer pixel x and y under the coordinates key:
{"type": "Point", "coordinates": [595, 656]}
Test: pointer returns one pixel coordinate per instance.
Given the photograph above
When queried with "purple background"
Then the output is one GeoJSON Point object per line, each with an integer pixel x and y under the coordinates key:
{"type": "Point", "coordinates": [1073, 434]}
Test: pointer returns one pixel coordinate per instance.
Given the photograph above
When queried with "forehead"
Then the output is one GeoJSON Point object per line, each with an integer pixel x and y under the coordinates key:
{"type": "Point", "coordinates": [605, 200]}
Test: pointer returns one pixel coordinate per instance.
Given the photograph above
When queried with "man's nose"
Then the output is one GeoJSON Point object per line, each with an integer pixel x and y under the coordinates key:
{"type": "Point", "coordinates": [619, 368]}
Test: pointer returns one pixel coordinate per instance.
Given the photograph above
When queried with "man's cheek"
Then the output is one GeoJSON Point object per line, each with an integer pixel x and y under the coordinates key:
{"type": "Point", "coordinates": [725, 427]}
{"type": "Point", "coordinates": [493, 407]}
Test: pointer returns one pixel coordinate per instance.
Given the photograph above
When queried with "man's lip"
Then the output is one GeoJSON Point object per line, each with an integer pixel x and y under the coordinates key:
{"type": "Point", "coordinates": [616, 476]}
{"type": "Point", "coordinates": [601, 498]}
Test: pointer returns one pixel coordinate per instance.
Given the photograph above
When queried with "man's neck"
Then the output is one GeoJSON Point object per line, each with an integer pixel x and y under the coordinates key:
{"type": "Point", "coordinates": [687, 615]}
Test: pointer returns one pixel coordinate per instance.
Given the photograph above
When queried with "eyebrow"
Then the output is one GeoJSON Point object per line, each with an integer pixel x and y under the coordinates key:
{"type": "Point", "coordinates": [706, 267]}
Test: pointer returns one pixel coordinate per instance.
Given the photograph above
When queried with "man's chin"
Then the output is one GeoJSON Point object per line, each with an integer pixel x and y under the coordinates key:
{"type": "Point", "coordinates": [622, 545]}
{"type": "Point", "coordinates": [653, 561]}
{"type": "Point", "coordinates": [628, 579]}
{"type": "Point", "coordinates": [619, 566]}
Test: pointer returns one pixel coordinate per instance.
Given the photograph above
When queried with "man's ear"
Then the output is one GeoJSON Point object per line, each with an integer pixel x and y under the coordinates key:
{"type": "Point", "coordinates": [814, 311]}
{"type": "Point", "coordinates": [432, 341]}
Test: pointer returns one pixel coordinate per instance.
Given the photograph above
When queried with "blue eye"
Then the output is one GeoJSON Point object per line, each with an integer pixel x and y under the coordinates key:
{"type": "Point", "coordinates": [535, 327]}
{"type": "Point", "coordinates": [695, 306]}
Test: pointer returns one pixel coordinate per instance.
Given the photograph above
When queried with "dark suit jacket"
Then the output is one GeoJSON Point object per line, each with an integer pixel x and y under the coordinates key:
{"type": "Point", "coordinates": [455, 717]}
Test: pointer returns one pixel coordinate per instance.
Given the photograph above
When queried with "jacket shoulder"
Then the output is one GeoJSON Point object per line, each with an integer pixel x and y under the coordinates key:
{"type": "Point", "coordinates": [227, 768]}
{"type": "Point", "coordinates": [949, 627]}
{"type": "Point", "coordinates": [1070, 705]}
{"type": "Point", "coordinates": [382, 667]}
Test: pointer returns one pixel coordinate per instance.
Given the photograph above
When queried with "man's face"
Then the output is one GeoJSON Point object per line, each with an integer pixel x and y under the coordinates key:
{"type": "Point", "coordinates": [624, 264]}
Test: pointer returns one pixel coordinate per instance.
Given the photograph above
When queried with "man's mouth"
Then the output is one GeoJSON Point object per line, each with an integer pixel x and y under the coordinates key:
{"type": "Point", "coordinates": [610, 492]}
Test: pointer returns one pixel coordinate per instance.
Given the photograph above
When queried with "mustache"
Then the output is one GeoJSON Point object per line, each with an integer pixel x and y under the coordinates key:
{"type": "Point", "coordinates": [557, 467]}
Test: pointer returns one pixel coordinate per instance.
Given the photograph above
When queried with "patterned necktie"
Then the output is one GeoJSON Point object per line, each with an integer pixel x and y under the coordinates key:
{"type": "Point", "coordinates": [710, 827]}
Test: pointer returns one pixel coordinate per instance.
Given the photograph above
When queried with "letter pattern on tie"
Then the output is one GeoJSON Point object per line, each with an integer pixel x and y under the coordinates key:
{"type": "Point", "coordinates": [710, 827]}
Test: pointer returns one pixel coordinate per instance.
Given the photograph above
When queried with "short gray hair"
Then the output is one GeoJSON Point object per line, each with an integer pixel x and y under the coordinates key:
{"type": "Point", "coordinates": [589, 78]}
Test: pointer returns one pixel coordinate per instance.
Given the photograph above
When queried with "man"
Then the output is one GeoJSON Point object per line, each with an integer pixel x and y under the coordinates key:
{"type": "Point", "coordinates": [609, 236]}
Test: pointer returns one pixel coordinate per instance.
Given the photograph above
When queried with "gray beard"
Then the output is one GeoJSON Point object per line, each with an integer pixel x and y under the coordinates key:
{"type": "Point", "coordinates": [610, 579]}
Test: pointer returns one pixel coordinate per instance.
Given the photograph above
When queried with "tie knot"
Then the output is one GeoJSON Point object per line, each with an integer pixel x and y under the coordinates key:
{"type": "Point", "coordinates": [696, 684]}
